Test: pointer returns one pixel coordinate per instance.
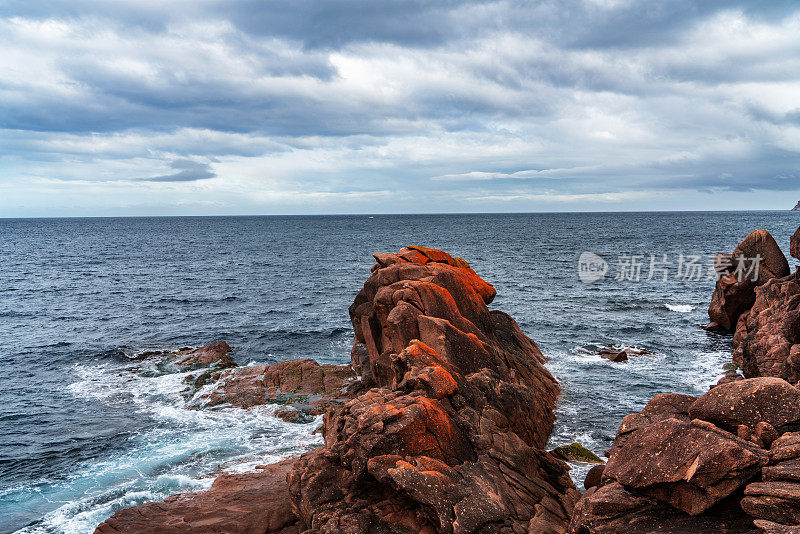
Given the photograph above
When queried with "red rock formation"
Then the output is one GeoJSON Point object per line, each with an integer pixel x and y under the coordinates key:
{"type": "Point", "coordinates": [669, 473]}
{"type": "Point", "coordinates": [446, 435]}
{"type": "Point", "coordinates": [450, 437]}
{"type": "Point", "coordinates": [767, 400]}
{"type": "Point", "coordinates": [248, 503]}
{"type": "Point", "coordinates": [612, 509]}
{"type": "Point", "coordinates": [305, 386]}
{"type": "Point", "coordinates": [677, 459]}
{"type": "Point", "coordinates": [730, 456]}
{"type": "Point", "coordinates": [213, 353]}
{"type": "Point", "coordinates": [735, 293]}
{"type": "Point", "coordinates": [767, 340]}
{"type": "Point", "coordinates": [794, 244]}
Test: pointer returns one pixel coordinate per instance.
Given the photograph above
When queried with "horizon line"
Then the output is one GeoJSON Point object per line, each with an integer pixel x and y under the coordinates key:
{"type": "Point", "coordinates": [391, 214]}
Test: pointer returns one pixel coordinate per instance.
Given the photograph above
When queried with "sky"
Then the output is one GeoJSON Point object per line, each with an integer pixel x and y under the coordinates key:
{"type": "Point", "coordinates": [210, 107]}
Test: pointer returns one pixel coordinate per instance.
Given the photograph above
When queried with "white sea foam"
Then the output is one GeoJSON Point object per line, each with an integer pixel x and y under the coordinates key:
{"type": "Point", "coordinates": [680, 308]}
{"type": "Point", "coordinates": [182, 451]}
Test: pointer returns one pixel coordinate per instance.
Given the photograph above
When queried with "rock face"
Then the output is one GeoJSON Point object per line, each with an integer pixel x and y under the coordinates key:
{"type": "Point", "coordinates": [728, 461]}
{"type": "Point", "coordinates": [768, 400]}
{"type": "Point", "coordinates": [796, 207]}
{"type": "Point", "coordinates": [767, 339]}
{"type": "Point", "coordinates": [676, 467]}
{"type": "Point", "coordinates": [450, 436]}
{"type": "Point", "coordinates": [794, 243]}
{"type": "Point", "coordinates": [444, 431]}
{"type": "Point", "coordinates": [735, 291]}
{"type": "Point", "coordinates": [776, 498]}
{"type": "Point", "coordinates": [304, 386]}
{"type": "Point", "coordinates": [248, 503]}
{"type": "Point", "coordinates": [612, 509]}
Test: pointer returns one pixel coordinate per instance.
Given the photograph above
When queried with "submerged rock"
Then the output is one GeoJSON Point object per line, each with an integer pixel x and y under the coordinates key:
{"type": "Point", "coordinates": [621, 353]}
{"type": "Point", "coordinates": [614, 356]}
{"type": "Point", "coordinates": [575, 452]}
{"type": "Point", "coordinates": [215, 353]}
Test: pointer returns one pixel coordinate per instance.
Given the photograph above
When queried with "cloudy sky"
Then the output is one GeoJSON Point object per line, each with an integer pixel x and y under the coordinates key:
{"type": "Point", "coordinates": [140, 107]}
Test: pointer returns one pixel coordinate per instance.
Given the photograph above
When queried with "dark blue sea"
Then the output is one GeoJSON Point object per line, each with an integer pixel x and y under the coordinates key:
{"type": "Point", "coordinates": [85, 429]}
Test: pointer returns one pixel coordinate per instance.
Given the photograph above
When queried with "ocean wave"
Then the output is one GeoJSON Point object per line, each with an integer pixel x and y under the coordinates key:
{"type": "Point", "coordinates": [680, 308]}
{"type": "Point", "coordinates": [181, 449]}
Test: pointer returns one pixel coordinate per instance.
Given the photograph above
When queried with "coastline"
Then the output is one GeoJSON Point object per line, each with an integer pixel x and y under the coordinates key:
{"type": "Point", "coordinates": [397, 371]}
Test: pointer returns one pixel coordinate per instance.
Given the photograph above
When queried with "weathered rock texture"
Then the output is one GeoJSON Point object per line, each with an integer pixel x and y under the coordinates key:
{"type": "Point", "coordinates": [248, 503]}
{"type": "Point", "coordinates": [767, 339]}
{"type": "Point", "coordinates": [735, 292]}
{"type": "Point", "coordinates": [444, 431]}
{"type": "Point", "coordinates": [450, 437]}
{"type": "Point", "coordinates": [668, 472]}
{"type": "Point", "coordinates": [303, 386]}
{"type": "Point", "coordinates": [728, 461]}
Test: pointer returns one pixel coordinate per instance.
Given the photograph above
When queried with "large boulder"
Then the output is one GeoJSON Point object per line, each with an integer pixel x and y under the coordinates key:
{"type": "Point", "coordinates": [667, 472]}
{"type": "Point", "coordinates": [612, 509]}
{"type": "Point", "coordinates": [688, 465]}
{"type": "Point", "coordinates": [735, 290]}
{"type": "Point", "coordinates": [247, 503]}
{"type": "Point", "coordinates": [456, 407]}
{"type": "Point", "coordinates": [749, 402]}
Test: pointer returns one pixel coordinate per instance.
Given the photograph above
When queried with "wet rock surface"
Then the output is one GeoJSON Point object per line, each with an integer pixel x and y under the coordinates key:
{"type": "Point", "coordinates": [304, 387]}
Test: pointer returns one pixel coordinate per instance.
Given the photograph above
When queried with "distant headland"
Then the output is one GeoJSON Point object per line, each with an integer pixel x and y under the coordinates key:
{"type": "Point", "coordinates": [797, 206]}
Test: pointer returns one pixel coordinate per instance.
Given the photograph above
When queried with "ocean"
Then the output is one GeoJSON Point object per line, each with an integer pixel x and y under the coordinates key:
{"type": "Point", "coordinates": [86, 429]}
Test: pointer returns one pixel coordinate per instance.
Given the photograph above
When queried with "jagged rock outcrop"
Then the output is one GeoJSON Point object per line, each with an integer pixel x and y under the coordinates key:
{"type": "Point", "coordinates": [728, 461]}
{"type": "Point", "coordinates": [794, 244]}
{"type": "Point", "coordinates": [767, 339]}
{"type": "Point", "coordinates": [767, 400]}
{"type": "Point", "coordinates": [740, 274]}
{"type": "Point", "coordinates": [247, 503]}
{"type": "Point", "coordinates": [671, 472]}
{"type": "Point", "coordinates": [444, 431]}
{"type": "Point", "coordinates": [724, 459]}
{"type": "Point", "coordinates": [451, 436]}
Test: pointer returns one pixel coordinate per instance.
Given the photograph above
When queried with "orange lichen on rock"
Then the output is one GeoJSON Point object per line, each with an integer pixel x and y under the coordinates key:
{"type": "Point", "coordinates": [450, 430]}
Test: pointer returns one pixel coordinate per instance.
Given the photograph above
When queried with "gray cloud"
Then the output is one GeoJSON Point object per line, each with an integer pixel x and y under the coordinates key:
{"type": "Point", "coordinates": [595, 96]}
{"type": "Point", "coordinates": [188, 171]}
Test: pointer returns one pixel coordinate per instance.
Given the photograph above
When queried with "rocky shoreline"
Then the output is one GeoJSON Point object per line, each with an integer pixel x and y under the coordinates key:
{"type": "Point", "coordinates": [440, 423]}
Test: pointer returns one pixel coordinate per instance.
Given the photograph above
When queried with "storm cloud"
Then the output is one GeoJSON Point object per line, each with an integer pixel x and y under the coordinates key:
{"type": "Point", "coordinates": [362, 106]}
